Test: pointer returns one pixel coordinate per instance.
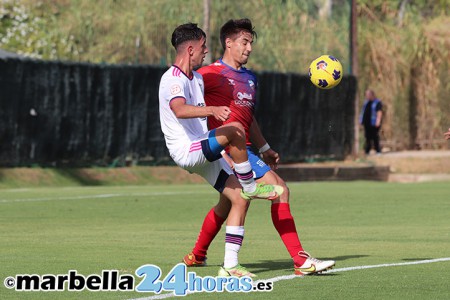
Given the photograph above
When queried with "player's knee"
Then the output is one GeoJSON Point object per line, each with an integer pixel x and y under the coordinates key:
{"type": "Point", "coordinates": [238, 202]}
{"type": "Point", "coordinates": [284, 198]}
{"type": "Point", "coordinates": [237, 129]}
{"type": "Point", "coordinates": [286, 194]}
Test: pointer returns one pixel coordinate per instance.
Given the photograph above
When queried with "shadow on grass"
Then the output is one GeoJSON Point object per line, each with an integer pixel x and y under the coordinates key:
{"type": "Point", "coordinates": [78, 176]}
{"type": "Point", "coordinates": [414, 259]}
{"type": "Point", "coordinates": [277, 265]}
{"type": "Point", "coordinates": [324, 274]}
{"type": "Point", "coordinates": [270, 265]}
{"type": "Point", "coordinates": [287, 264]}
{"type": "Point", "coordinates": [344, 257]}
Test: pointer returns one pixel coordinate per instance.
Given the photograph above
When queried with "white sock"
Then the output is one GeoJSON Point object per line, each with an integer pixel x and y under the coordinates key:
{"type": "Point", "coordinates": [244, 174]}
{"type": "Point", "coordinates": [233, 241]}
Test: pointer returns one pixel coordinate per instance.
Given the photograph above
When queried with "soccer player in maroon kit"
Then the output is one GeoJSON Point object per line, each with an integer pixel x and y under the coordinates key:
{"type": "Point", "coordinates": [229, 83]}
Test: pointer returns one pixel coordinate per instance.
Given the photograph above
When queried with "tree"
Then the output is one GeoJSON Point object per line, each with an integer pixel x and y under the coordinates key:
{"type": "Point", "coordinates": [206, 23]}
{"type": "Point", "coordinates": [401, 12]}
{"type": "Point", "coordinates": [325, 9]}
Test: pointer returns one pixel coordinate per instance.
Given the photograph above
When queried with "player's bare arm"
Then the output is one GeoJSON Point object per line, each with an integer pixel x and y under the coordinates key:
{"type": "Point", "coordinates": [269, 156]}
{"type": "Point", "coordinates": [186, 111]}
{"type": "Point", "coordinates": [379, 116]}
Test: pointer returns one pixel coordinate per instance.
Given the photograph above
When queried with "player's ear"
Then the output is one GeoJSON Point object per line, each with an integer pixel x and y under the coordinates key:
{"type": "Point", "coordinates": [190, 50]}
{"type": "Point", "coordinates": [228, 42]}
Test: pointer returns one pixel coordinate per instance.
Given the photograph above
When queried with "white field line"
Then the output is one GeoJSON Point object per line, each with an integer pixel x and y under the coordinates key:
{"type": "Point", "coordinates": [289, 277]}
{"type": "Point", "coordinates": [102, 196]}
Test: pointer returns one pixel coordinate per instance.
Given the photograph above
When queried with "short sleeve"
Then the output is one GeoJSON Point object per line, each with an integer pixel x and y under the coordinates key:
{"type": "Point", "coordinates": [379, 106]}
{"type": "Point", "coordinates": [173, 88]}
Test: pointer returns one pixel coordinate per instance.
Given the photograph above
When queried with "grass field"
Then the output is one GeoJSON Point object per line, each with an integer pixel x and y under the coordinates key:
{"type": "Point", "coordinates": [89, 229]}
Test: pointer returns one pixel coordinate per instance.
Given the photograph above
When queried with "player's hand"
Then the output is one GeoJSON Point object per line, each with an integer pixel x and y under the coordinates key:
{"type": "Point", "coordinates": [271, 158]}
{"type": "Point", "coordinates": [447, 135]}
{"type": "Point", "coordinates": [221, 113]}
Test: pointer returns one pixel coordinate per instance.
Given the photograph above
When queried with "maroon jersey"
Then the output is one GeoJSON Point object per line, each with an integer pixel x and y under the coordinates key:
{"type": "Point", "coordinates": [226, 86]}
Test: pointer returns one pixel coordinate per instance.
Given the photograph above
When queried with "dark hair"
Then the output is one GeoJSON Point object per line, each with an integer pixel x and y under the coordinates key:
{"type": "Point", "coordinates": [186, 32]}
{"type": "Point", "coordinates": [233, 27]}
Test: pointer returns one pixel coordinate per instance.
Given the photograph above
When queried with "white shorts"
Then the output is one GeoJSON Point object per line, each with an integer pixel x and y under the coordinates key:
{"type": "Point", "coordinates": [205, 159]}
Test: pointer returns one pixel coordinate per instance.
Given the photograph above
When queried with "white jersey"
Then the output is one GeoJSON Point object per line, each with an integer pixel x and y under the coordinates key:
{"type": "Point", "coordinates": [179, 133]}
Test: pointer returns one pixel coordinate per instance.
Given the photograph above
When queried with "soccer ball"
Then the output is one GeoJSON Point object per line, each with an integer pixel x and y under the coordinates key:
{"type": "Point", "coordinates": [325, 72]}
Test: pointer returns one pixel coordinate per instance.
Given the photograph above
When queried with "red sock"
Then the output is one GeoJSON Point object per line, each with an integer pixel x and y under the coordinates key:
{"type": "Point", "coordinates": [285, 225]}
{"type": "Point", "coordinates": [210, 228]}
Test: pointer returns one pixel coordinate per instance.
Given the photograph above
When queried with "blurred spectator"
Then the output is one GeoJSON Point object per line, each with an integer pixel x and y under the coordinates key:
{"type": "Point", "coordinates": [370, 118]}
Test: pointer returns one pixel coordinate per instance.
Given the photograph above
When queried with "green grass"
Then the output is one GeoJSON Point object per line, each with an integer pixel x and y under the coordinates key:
{"type": "Point", "coordinates": [93, 176]}
{"type": "Point", "coordinates": [53, 230]}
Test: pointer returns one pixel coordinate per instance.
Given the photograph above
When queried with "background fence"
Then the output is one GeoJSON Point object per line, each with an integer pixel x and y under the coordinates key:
{"type": "Point", "coordinates": [57, 113]}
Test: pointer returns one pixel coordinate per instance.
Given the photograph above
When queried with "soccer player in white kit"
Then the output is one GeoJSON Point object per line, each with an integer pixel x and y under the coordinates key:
{"type": "Point", "coordinates": [183, 117]}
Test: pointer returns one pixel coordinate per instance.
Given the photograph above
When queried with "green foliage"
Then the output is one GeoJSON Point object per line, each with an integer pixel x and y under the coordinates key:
{"type": "Point", "coordinates": [389, 9]}
{"type": "Point", "coordinates": [396, 39]}
{"type": "Point", "coordinates": [407, 65]}
{"type": "Point", "coordinates": [24, 31]}
{"type": "Point", "coordinates": [290, 34]}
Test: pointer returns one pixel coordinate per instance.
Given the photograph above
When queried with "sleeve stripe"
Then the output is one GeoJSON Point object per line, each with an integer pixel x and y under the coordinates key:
{"type": "Point", "coordinates": [181, 97]}
{"type": "Point", "coordinates": [176, 97]}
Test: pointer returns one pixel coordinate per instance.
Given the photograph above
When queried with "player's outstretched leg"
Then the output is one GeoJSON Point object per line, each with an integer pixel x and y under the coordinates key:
{"type": "Point", "coordinates": [284, 223]}
{"type": "Point", "coordinates": [210, 227]}
{"type": "Point", "coordinates": [233, 136]}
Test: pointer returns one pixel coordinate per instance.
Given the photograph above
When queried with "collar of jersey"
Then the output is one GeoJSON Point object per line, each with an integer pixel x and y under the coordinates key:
{"type": "Point", "coordinates": [242, 70]}
{"type": "Point", "coordinates": [190, 78]}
